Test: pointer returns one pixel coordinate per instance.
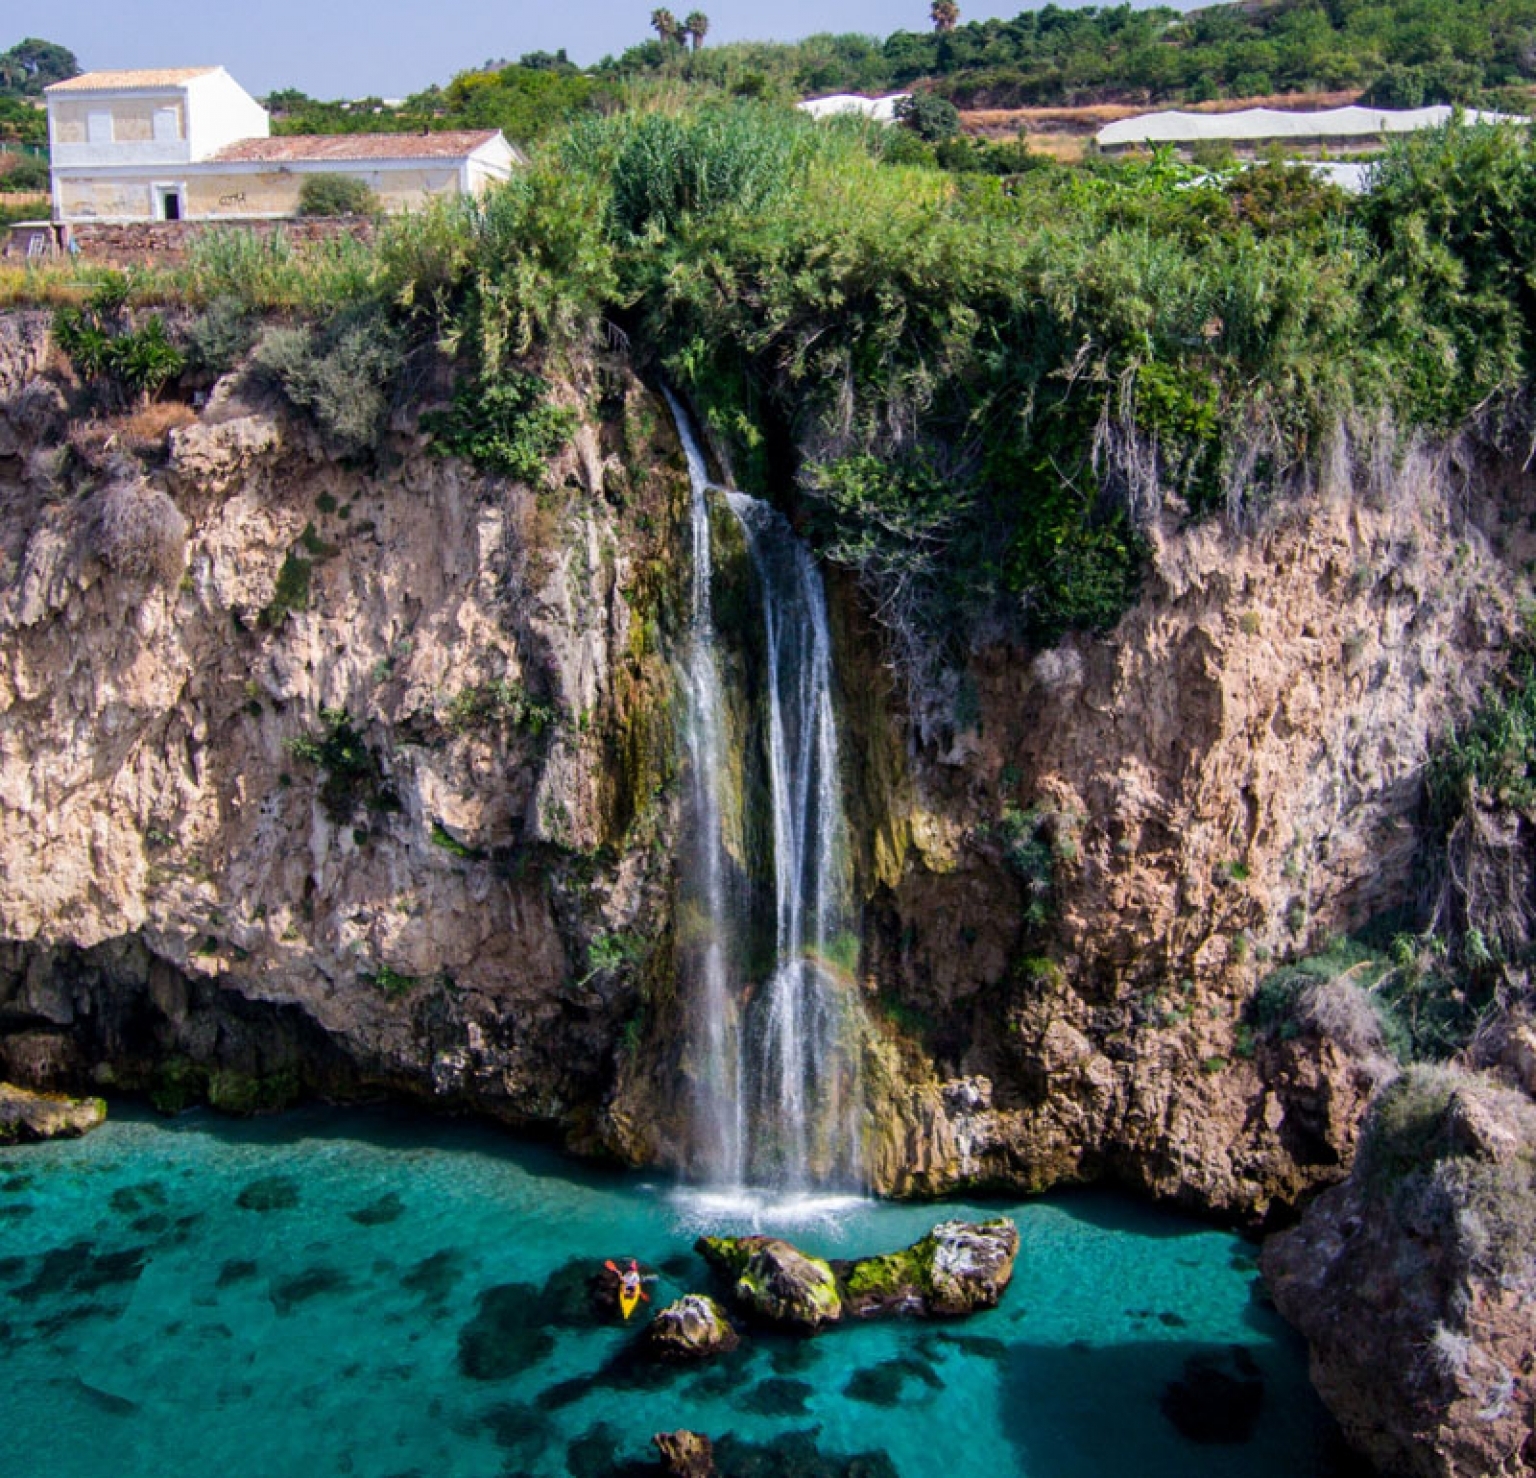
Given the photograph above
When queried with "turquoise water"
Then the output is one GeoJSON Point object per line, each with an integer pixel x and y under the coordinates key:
{"type": "Point", "coordinates": [371, 1294]}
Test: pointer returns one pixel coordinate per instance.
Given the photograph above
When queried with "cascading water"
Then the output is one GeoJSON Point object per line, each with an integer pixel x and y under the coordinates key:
{"type": "Point", "coordinates": [775, 1093]}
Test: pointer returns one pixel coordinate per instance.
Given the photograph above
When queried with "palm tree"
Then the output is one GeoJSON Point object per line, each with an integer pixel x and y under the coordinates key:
{"type": "Point", "coordinates": [665, 25]}
{"type": "Point", "coordinates": [696, 24]}
{"type": "Point", "coordinates": [945, 15]}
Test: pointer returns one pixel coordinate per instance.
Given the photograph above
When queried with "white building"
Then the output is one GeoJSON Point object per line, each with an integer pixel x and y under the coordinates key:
{"type": "Point", "coordinates": [881, 109]}
{"type": "Point", "coordinates": [191, 144]}
{"type": "Point", "coordinates": [1351, 128]}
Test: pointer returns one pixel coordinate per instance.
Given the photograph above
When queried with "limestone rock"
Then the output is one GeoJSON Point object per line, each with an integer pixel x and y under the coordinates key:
{"type": "Point", "coordinates": [685, 1454]}
{"type": "Point", "coordinates": [972, 1265]}
{"type": "Point", "coordinates": [958, 1268]}
{"type": "Point", "coordinates": [775, 1282]}
{"type": "Point", "coordinates": [693, 1328]}
{"type": "Point", "coordinates": [27, 1117]}
{"type": "Point", "coordinates": [1414, 1281]}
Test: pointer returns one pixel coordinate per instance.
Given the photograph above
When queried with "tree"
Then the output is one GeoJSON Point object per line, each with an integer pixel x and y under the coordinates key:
{"type": "Point", "coordinates": [696, 24]}
{"type": "Point", "coordinates": [945, 15]}
{"type": "Point", "coordinates": [665, 25]}
{"type": "Point", "coordinates": [29, 66]}
{"type": "Point", "coordinates": [931, 118]}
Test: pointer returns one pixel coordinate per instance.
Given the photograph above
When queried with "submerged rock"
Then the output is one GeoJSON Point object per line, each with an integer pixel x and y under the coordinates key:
{"type": "Point", "coordinates": [774, 1281]}
{"type": "Point", "coordinates": [958, 1268]}
{"type": "Point", "coordinates": [685, 1454]}
{"type": "Point", "coordinates": [1217, 1399]}
{"type": "Point", "coordinates": [28, 1118]}
{"type": "Point", "coordinates": [693, 1328]}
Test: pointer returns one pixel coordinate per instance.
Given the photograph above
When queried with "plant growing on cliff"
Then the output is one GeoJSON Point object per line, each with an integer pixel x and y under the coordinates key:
{"type": "Point", "coordinates": [343, 373]}
{"type": "Point", "coordinates": [354, 775]}
{"type": "Point", "coordinates": [121, 361]}
{"type": "Point", "coordinates": [507, 426]}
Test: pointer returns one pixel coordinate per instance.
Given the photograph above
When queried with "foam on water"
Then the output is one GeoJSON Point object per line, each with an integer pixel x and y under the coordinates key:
{"type": "Point", "coordinates": [377, 1295]}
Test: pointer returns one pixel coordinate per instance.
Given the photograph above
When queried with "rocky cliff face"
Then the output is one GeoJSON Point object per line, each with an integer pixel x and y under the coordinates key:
{"type": "Point", "coordinates": [324, 776]}
{"type": "Point", "coordinates": [333, 777]}
{"type": "Point", "coordinates": [1228, 780]}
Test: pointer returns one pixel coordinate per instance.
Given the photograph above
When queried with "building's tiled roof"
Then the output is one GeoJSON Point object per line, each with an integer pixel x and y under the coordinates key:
{"type": "Point", "coordinates": [348, 148]}
{"type": "Point", "coordinates": [110, 81]}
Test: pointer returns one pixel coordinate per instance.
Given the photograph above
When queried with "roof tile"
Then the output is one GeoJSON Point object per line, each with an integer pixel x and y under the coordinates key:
{"type": "Point", "coordinates": [110, 81]}
{"type": "Point", "coordinates": [344, 148]}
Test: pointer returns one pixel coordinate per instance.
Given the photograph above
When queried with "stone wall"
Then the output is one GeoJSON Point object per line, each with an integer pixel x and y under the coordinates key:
{"type": "Point", "coordinates": [166, 243]}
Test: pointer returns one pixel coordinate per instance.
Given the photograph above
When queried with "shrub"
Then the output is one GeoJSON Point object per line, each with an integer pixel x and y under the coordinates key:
{"type": "Point", "coordinates": [336, 195]}
{"type": "Point", "coordinates": [506, 426]}
{"type": "Point", "coordinates": [930, 118]}
{"type": "Point", "coordinates": [344, 374]}
{"type": "Point", "coordinates": [221, 335]}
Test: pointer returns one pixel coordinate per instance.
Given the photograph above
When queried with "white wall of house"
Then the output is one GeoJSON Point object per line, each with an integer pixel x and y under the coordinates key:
{"type": "Point", "coordinates": [222, 112]}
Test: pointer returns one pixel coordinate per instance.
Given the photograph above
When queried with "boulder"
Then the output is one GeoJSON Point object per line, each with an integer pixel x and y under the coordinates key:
{"type": "Point", "coordinates": [775, 1282]}
{"type": "Point", "coordinates": [958, 1268]}
{"type": "Point", "coordinates": [26, 1117]}
{"type": "Point", "coordinates": [685, 1454]}
{"type": "Point", "coordinates": [693, 1328]}
{"type": "Point", "coordinates": [1413, 1281]}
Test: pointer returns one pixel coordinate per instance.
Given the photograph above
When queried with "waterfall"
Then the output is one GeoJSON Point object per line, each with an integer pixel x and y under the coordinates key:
{"type": "Point", "coordinates": [774, 1095]}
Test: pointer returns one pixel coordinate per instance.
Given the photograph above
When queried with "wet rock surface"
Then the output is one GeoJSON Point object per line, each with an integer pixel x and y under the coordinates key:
{"type": "Point", "coordinates": [693, 1328]}
{"type": "Point", "coordinates": [685, 1454]}
{"type": "Point", "coordinates": [774, 1281]}
{"type": "Point", "coordinates": [28, 1118]}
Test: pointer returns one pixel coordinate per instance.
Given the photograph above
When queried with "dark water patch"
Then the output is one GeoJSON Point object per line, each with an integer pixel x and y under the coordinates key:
{"type": "Point", "coordinates": [61, 1321]}
{"type": "Point", "coordinates": [18, 1182]}
{"type": "Point", "coordinates": [975, 1346]}
{"type": "Point", "coordinates": [885, 1384]}
{"type": "Point", "coordinates": [506, 1335]}
{"type": "Point", "coordinates": [130, 1200]}
{"type": "Point", "coordinates": [1217, 1398]}
{"type": "Point", "coordinates": [55, 1273]}
{"type": "Point", "coordinates": [12, 1269]}
{"type": "Point", "coordinates": [795, 1455]}
{"type": "Point", "coordinates": [793, 1357]}
{"type": "Point", "coordinates": [270, 1193]}
{"type": "Point", "coordinates": [109, 1268]}
{"type": "Point", "coordinates": [389, 1207]}
{"type": "Point", "coordinates": [236, 1270]}
{"type": "Point", "coordinates": [682, 1268]}
{"type": "Point", "coordinates": [518, 1427]}
{"type": "Point", "coordinates": [579, 1294]}
{"type": "Point", "coordinates": [288, 1293]}
{"type": "Point", "coordinates": [152, 1225]}
{"type": "Point", "coordinates": [1171, 1320]}
{"type": "Point", "coordinates": [19, 1212]}
{"type": "Point", "coordinates": [778, 1396]}
{"type": "Point", "coordinates": [105, 1401]}
{"type": "Point", "coordinates": [435, 1277]}
{"type": "Point", "coordinates": [565, 1393]}
{"type": "Point", "coordinates": [595, 1454]}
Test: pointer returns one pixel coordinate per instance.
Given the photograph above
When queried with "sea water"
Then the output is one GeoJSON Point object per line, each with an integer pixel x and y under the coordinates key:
{"type": "Point", "coordinates": [374, 1294]}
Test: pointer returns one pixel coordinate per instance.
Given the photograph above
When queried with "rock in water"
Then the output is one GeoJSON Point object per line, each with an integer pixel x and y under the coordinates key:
{"type": "Point", "coordinates": [972, 1264]}
{"type": "Point", "coordinates": [776, 1282]}
{"type": "Point", "coordinates": [685, 1454]}
{"type": "Point", "coordinates": [693, 1328]}
{"type": "Point", "coordinates": [958, 1268]}
{"type": "Point", "coordinates": [26, 1118]}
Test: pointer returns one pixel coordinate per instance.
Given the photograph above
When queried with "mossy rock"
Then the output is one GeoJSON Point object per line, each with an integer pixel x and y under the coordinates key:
{"type": "Point", "coordinates": [958, 1268]}
{"type": "Point", "coordinates": [252, 1093]}
{"type": "Point", "coordinates": [776, 1283]}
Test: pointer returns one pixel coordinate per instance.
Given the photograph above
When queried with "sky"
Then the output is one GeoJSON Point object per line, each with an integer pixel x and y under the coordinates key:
{"type": "Point", "coordinates": [389, 48]}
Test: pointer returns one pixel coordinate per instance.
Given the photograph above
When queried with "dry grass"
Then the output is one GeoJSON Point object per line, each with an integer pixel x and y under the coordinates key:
{"type": "Point", "coordinates": [138, 531]}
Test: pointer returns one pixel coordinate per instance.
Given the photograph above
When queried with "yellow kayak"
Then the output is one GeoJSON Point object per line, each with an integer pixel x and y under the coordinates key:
{"type": "Point", "coordinates": [629, 1296]}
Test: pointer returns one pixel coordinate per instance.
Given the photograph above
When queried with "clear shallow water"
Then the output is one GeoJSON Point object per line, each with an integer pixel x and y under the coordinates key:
{"type": "Point", "coordinates": [397, 1296]}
